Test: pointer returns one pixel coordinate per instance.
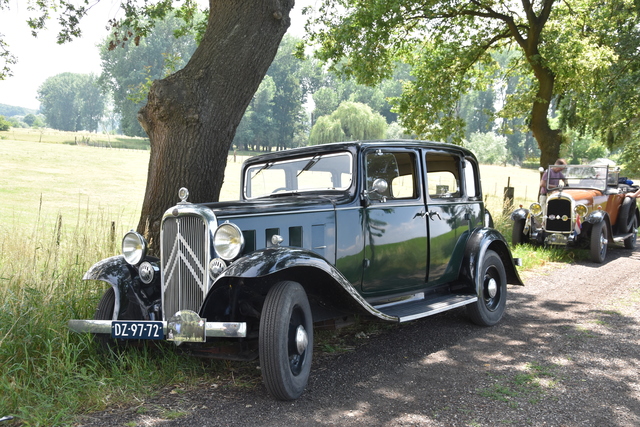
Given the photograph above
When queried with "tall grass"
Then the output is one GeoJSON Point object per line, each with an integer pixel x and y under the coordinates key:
{"type": "Point", "coordinates": [48, 374]}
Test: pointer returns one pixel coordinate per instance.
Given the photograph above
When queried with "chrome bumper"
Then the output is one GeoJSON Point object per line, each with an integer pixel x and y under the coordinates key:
{"type": "Point", "coordinates": [211, 329]}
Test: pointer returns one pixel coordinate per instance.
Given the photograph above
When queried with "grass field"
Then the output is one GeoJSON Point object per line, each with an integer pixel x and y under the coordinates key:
{"type": "Point", "coordinates": [48, 179]}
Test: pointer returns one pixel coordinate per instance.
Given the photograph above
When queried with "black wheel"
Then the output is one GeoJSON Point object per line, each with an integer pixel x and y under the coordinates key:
{"type": "Point", "coordinates": [492, 298]}
{"type": "Point", "coordinates": [517, 232]}
{"type": "Point", "coordinates": [598, 246]}
{"type": "Point", "coordinates": [626, 215]}
{"type": "Point", "coordinates": [286, 340]}
{"type": "Point", "coordinates": [105, 312]}
{"type": "Point", "coordinates": [630, 242]}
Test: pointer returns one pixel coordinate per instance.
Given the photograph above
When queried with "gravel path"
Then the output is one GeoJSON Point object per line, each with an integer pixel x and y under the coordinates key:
{"type": "Point", "coordinates": [567, 353]}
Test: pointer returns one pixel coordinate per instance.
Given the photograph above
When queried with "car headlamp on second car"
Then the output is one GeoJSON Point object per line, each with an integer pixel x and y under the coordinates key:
{"type": "Point", "coordinates": [535, 209]}
{"type": "Point", "coordinates": [228, 241]}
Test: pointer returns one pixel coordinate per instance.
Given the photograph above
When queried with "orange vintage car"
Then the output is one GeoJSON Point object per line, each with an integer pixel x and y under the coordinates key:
{"type": "Point", "coordinates": [587, 207]}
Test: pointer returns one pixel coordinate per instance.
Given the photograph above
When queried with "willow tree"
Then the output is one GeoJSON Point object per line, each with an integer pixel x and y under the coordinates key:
{"type": "Point", "coordinates": [449, 44]}
{"type": "Point", "coordinates": [190, 116]}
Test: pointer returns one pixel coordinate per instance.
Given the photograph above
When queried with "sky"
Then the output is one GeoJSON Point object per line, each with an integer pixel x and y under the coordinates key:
{"type": "Point", "coordinates": [40, 58]}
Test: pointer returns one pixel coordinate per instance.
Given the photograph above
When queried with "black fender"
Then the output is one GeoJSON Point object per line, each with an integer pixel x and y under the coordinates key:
{"type": "Point", "coordinates": [250, 277]}
{"type": "Point", "coordinates": [520, 213]}
{"type": "Point", "coordinates": [600, 216]}
{"type": "Point", "coordinates": [131, 303]}
{"type": "Point", "coordinates": [479, 242]}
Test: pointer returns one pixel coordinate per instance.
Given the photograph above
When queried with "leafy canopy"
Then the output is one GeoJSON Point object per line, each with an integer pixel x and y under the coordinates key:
{"type": "Point", "coordinates": [450, 46]}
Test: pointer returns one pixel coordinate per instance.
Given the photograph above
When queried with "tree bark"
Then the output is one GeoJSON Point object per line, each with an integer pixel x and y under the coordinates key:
{"type": "Point", "coordinates": [191, 116]}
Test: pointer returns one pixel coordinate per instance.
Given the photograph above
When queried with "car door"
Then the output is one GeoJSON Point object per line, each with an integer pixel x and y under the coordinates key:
{"type": "Point", "coordinates": [394, 225]}
{"type": "Point", "coordinates": [453, 209]}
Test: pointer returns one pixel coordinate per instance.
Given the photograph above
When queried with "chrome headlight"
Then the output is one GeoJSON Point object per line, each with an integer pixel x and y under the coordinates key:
{"type": "Point", "coordinates": [581, 210]}
{"type": "Point", "coordinates": [535, 209]}
{"type": "Point", "coordinates": [134, 247]}
{"type": "Point", "coordinates": [228, 241]}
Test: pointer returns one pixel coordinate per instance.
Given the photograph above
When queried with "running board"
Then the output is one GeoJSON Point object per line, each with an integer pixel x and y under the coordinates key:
{"type": "Point", "coordinates": [417, 308]}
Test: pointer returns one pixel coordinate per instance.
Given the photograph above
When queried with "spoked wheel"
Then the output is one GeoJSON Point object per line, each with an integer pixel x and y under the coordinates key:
{"type": "Point", "coordinates": [105, 312]}
{"type": "Point", "coordinates": [517, 233]}
{"type": "Point", "coordinates": [286, 340]}
{"type": "Point", "coordinates": [598, 246]}
{"type": "Point", "coordinates": [492, 298]}
{"type": "Point", "coordinates": [631, 241]}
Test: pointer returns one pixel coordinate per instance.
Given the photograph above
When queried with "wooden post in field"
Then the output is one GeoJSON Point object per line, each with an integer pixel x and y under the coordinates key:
{"type": "Point", "coordinates": [507, 204]}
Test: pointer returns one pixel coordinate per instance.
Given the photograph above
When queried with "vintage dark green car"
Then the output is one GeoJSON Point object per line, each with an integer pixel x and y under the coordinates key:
{"type": "Point", "coordinates": [391, 229]}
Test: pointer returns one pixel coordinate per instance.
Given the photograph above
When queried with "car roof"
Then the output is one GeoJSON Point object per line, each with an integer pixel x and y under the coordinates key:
{"type": "Point", "coordinates": [360, 145]}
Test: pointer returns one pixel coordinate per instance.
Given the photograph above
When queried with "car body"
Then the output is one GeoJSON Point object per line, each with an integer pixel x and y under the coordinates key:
{"type": "Point", "coordinates": [586, 209]}
{"type": "Point", "coordinates": [396, 230]}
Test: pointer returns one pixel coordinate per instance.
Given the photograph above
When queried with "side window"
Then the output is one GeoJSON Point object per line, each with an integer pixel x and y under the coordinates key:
{"type": "Point", "coordinates": [470, 179]}
{"type": "Point", "coordinates": [397, 169]}
{"type": "Point", "coordinates": [443, 175]}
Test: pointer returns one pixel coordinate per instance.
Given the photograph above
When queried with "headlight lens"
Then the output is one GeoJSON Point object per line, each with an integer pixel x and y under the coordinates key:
{"type": "Point", "coordinates": [535, 209]}
{"type": "Point", "coordinates": [581, 210]}
{"type": "Point", "coordinates": [228, 241]}
{"type": "Point", "coordinates": [134, 247]}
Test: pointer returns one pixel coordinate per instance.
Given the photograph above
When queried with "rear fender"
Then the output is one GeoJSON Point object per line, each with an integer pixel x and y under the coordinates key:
{"type": "Point", "coordinates": [250, 278]}
{"type": "Point", "coordinates": [480, 241]}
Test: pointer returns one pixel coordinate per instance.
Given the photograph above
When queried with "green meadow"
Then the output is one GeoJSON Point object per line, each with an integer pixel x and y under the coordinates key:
{"type": "Point", "coordinates": [64, 205]}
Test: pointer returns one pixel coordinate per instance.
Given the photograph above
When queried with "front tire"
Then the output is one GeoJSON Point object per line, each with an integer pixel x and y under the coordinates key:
{"type": "Point", "coordinates": [598, 244]}
{"type": "Point", "coordinates": [517, 232]}
{"type": "Point", "coordinates": [492, 297]}
{"type": "Point", "coordinates": [286, 340]}
{"type": "Point", "coordinates": [105, 312]}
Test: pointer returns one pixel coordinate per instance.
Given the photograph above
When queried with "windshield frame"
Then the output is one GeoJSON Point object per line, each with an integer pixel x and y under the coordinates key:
{"type": "Point", "coordinates": [582, 176]}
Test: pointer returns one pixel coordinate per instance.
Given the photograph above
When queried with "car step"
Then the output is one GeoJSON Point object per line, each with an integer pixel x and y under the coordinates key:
{"type": "Point", "coordinates": [423, 307]}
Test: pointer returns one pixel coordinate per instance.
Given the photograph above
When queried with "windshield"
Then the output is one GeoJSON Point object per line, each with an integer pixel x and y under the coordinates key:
{"type": "Point", "coordinates": [320, 172]}
{"type": "Point", "coordinates": [597, 177]}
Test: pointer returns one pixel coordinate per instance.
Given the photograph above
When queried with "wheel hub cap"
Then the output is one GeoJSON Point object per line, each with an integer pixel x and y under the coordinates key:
{"type": "Point", "coordinates": [492, 288]}
{"type": "Point", "coordinates": [302, 340]}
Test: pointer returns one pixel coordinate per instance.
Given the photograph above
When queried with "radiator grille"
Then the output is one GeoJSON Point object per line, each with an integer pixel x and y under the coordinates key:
{"type": "Point", "coordinates": [185, 251]}
{"type": "Point", "coordinates": [558, 208]}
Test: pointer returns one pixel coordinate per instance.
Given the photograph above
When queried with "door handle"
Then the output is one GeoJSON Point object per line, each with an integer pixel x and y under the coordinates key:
{"type": "Point", "coordinates": [434, 213]}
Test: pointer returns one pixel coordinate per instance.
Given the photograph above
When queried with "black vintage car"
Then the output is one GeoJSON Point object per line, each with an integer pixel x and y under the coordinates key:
{"type": "Point", "coordinates": [391, 229]}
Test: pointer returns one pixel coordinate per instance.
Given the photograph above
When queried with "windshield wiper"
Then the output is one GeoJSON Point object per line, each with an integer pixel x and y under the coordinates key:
{"type": "Point", "coordinates": [266, 166]}
{"type": "Point", "coordinates": [310, 164]}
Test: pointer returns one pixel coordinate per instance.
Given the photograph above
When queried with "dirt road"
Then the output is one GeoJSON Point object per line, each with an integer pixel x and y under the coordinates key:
{"type": "Point", "coordinates": [567, 353]}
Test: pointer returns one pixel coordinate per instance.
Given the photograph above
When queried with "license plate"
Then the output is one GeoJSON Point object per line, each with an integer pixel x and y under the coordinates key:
{"type": "Point", "coordinates": [137, 330]}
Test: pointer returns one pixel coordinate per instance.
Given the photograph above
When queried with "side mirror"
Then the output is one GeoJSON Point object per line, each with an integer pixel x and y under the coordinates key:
{"type": "Point", "coordinates": [378, 188]}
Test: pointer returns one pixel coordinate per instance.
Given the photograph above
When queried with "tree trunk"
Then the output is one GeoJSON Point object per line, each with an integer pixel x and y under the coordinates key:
{"type": "Point", "coordinates": [191, 116]}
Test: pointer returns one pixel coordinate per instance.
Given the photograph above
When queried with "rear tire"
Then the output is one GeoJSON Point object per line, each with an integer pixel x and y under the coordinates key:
{"type": "Point", "coordinates": [286, 340]}
{"type": "Point", "coordinates": [598, 244]}
{"type": "Point", "coordinates": [492, 298]}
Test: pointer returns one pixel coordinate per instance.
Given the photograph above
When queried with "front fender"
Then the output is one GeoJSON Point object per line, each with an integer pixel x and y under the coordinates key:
{"type": "Point", "coordinates": [123, 278]}
{"type": "Point", "coordinates": [520, 213]}
{"type": "Point", "coordinates": [480, 241]}
{"type": "Point", "coordinates": [322, 281]}
{"type": "Point", "coordinates": [595, 217]}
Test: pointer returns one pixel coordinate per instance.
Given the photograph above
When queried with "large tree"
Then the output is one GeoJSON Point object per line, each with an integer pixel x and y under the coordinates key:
{"type": "Point", "coordinates": [449, 45]}
{"type": "Point", "coordinates": [191, 116]}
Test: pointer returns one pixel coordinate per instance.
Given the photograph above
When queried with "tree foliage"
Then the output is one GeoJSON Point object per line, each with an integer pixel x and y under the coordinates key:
{"type": "Point", "coordinates": [127, 72]}
{"type": "Point", "coordinates": [72, 102]}
{"type": "Point", "coordinates": [4, 124]}
{"type": "Point", "coordinates": [559, 46]}
{"type": "Point", "coordinates": [351, 121]}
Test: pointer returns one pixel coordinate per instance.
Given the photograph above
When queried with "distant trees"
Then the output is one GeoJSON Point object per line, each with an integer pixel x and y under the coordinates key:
{"type": "Point", "coordinates": [350, 121]}
{"type": "Point", "coordinates": [4, 125]}
{"type": "Point", "coordinates": [72, 102]}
